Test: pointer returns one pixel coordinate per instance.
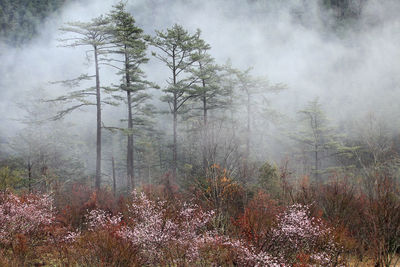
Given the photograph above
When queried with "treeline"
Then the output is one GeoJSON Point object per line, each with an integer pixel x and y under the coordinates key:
{"type": "Point", "coordinates": [346, 9]}
{"type": "Point", "coordinates": [20, 20]}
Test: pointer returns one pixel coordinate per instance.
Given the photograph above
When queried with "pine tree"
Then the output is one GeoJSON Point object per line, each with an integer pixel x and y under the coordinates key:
{"type": "Point", "coordinates": [316, 135]}
{"type": "Point", "coordinates": [129, 44]}
{"type": "Point", "coordinates": [94, 34]}
{"type": "Point", "coordinates": [211, 93]}
{"type": "Point", "coordinates": [252, 90]}
{"type": "Point", "coordinates": [179, 51]}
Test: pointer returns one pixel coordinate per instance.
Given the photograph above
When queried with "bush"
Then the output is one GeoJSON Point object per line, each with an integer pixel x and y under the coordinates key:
{"type": "Point", "coordinates": [300, 237]}
{"type": "Point", "coordinates": [149, 235]}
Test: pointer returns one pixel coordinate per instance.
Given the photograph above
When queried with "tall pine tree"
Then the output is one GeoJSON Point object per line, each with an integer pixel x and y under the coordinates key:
{"type": "Point", "coordinates": [178, 50]}
{"type": "Point", "coordinates": [130, 46]}
{"type": "Point", "coordinates": [94, 34]}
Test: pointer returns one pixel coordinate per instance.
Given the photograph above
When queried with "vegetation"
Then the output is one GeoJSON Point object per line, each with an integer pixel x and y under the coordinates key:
{"type": "Point", "coordinates": [128, 193]}
{"type": "Point", "coordinates": [20, 19]}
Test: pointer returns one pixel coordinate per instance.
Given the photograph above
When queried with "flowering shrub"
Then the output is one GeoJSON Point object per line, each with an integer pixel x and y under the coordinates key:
{"type": "Point", "coordinates": [147, 226]}
{"type": "Point", "coordinates": [149, 233]}
{"type": "Point", "coordinates": [24, 216]}
{"type": "Point", "coordinates": [159, 238]}
{"type": "Point", "coordinates": [220, 250]}
{"type": "Point", "coordinates": [101, 219]}
{"type": "Point", "coordinates": [74, 203]}
{"type": "Point", "coordinates": [298, 235]}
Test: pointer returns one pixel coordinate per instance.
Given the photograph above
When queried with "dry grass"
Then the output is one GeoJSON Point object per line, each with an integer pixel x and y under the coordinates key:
{"type": "Point", "coordinates": [370, 263]}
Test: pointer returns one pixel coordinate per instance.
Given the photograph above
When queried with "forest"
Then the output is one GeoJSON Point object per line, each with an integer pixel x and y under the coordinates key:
{"type": "Point", "coordinates": [199, 133]}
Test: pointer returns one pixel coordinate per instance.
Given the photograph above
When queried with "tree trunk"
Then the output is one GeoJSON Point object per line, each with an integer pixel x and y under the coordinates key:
{"type": "Point", "coordinates": [30, 176]}
{"type": "Point", "coordinates": [175, 114]}
{"type": "Point", "coordinates": [130, 174]}
{"type": "Point", "coordinates": [205, 129]}
{"type": "Point", "coordinates": [174, 148]}
{"type": "Point", "coordinates": [248, 131]}
{"type": "Point", "coordinates": [98, 137]}
{"type": "Point", "coordinates": [130, 150]}
{"type": "Point", "coordinates": [316, 147]}
{"type": "Point", "coordinates": [316, 164]}
{"type": "Point", "coordinates": [113, 176]}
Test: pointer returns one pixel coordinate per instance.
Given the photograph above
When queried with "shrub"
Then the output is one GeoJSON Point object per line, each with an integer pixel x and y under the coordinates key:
{"type": "Point", "coordinates": [258, 218]}
{"type": "Point", "coordinates": [24, 216]}
{"type": "Point", "coordinates": [148, 235]}
{"type": "Point", "coordinates": [300, 237]}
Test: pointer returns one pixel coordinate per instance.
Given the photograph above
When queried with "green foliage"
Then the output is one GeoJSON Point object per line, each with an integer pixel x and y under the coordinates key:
{"type": "Point", "coordinates": [209, 88]}
{"type": "Point", "coordinates": [129, 54]}
{"type": "Point", "coordinates": [128, 48]}
{"type": "Point", "coordinates": [317, 139]}
{"type": "Point", "coordinates": [179, 51]}
{"type": "Point", "coordinates": [94, 34]}
{"type": "Point", "coordinates": [269, 180]}
{"type": "Point", "coordinates": [10, 179]}
{"type": "Point", "coordinates": [20, 19]}
{"type": "Point", "coordinates": [127, 40]}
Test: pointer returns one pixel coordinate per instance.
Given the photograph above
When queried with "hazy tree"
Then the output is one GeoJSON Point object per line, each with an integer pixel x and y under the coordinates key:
{"type": "Point", "coordinates": [179, 51]}
{"type": "Point", "coordinates": [211, 91]}
{"type": "Point", "coordinates": [345, 9]}
{"type": "Point", "coordinates": [47, 150]}
{"type": "Point", "coordinates": [269, 180]}
{"type": "Point", "coordinates": [20, 20]}
{"type": "Point", "coordinates": [94, 34]}
{"type": "Point", "coordinates": [319, 139]}
{"type": "Point", "coordinates": [252, 90]}
{"type": "Point", "coordinates": [372, 148]}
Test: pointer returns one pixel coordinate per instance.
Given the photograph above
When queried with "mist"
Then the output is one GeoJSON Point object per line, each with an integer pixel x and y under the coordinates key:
{"type": "Point", "coordinates": [352, 70]}
{"type": "Point", "coordinates": [207, 133]}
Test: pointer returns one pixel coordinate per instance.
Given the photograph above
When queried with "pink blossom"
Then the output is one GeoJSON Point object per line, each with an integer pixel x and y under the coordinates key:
{"type": "Point", "coordinates": [180, 239]}
{"type": "Point", "coordinates": [25, 216]}
{"type": "Point", "coordinates": [298, 232]}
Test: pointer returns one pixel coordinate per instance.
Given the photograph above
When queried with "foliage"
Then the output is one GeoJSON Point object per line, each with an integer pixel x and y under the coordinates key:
{"type": "Point", "coordinates": [78, 200]}
{"type": "Point", "coordinates": [317, 139]}
{"type": "Point", "coordinates": [21, 19]}
{"type": "Point", "coordinates": [222, 194]}
{"type": "Point", "coordinates": [269, 180]}
{"type": "Point", "coordinates": [228, 211]}
{"type": "Point", "coordinates": [92, 228]}
{"type": "Point", "coordinates": [258, 219]}
{"type": "Point", "coordinates": [129, 50]}
{"type": "Point", "coordinates": [10, 179]}
{"type": "Point", "coordinates": [179, 52]}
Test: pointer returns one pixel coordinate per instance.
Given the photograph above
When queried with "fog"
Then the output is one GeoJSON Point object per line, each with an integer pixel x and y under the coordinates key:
{"type": "Point", "coordinates": [352, 68]}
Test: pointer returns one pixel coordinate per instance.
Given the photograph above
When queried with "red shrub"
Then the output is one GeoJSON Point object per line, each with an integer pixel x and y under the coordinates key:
{"type": "Point", "coordinates": [258, 218]}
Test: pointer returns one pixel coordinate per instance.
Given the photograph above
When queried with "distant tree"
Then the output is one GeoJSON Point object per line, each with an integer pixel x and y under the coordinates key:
{"type": "Point", "coordinates": [269, 180]}
{"type": "Point", "coordinates": [46, 150]}
{"type": "Point", "coordinates": [10, 179]}
{"type": "Point", "coordinates": [179, 51]}
{"type": "Point", "coordinates": [345, 9]}
{"type": "Point", "coordinates": [94, 34]}
{"type": "Point", "coordinates": [211, 92]}
{"type": "Point", "coordinates": [316, 135]}
{"type": "Point", "coordinates": [20, 20]}
{"type": "Point", "coordinates": [251, 91]}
